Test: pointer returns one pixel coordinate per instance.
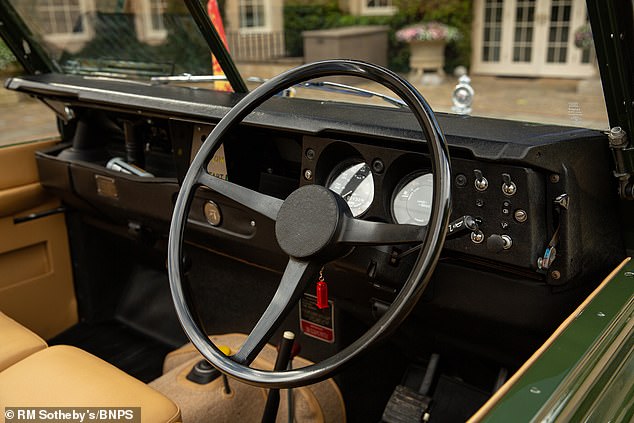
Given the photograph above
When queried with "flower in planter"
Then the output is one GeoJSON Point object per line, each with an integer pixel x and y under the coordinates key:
{"type": "Point", "coordinates": [428, 31]}
{"type": "Point", "coordinates": [583, 37]}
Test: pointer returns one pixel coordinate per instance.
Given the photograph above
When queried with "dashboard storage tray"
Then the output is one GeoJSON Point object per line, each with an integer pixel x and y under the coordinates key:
{"type": "Point", "coordinates": [93, 187]}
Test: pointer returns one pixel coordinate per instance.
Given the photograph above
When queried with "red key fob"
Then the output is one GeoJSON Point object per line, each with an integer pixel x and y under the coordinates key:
{"type": "Point", "coordinates": [322, 294]}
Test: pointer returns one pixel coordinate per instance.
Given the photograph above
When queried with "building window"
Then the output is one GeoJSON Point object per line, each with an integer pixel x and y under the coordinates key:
{"type": "Point", "coordinates": [157, 9]}
{"type": "Point", "coordinates": [253, 15]}
{"type": "Point", "coordinates": [492, 36]}
{"type": "Point", "coordinates": [62, 19]}
{"type": "Point", "coordinates": [559, 31]}
{"type": "Point", "coordinates": [151, 21]}
{"type": "Point", "coordinates": [378, 7]}
{"type": "Point", "coordinates": [378, 3]}
{"type": "Point", "coordinates": [524, 25]}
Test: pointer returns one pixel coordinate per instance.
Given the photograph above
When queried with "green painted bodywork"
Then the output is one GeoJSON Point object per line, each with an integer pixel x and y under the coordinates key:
{"type": "Point", "coordinates": [587, 373]}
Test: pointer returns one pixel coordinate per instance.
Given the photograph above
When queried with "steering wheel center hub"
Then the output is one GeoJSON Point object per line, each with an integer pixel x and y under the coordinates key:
{"type": "Point", "coordinates": [308, 221]}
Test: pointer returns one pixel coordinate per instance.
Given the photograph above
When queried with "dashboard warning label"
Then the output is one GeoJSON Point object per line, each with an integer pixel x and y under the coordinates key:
{"type": "Point", "coordinates": [314, 322]}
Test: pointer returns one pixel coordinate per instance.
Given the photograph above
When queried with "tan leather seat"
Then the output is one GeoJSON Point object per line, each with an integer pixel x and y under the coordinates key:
{"type": "Point", "coordinates": [63, 376]}
{"type": "Point", "coordinates": [17, 342]}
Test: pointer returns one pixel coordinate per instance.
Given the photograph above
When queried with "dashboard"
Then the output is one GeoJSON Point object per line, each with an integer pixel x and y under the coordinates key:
{"type": "Point", "coordinates": [395, 186]}
{"type": "Point", "coordinates": [528, 201]}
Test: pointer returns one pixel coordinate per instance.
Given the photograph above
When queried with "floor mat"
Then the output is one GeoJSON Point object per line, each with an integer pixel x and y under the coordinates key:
{"type": "Point", "coordinates": [129, 350]}
{"type": "Point", "coordinates": [317, 403]}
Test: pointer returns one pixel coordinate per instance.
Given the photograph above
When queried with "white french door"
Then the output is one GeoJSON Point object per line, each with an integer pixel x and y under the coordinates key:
{"type": "Point", "coordinates": [529, 38]}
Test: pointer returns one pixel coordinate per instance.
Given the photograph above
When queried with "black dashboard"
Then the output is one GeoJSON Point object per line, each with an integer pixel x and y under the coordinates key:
{"type": "Point", "coordinates": [538, 193]}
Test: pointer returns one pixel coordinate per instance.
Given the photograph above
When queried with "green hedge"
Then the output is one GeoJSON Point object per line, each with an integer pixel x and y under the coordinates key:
{"type": "Point", "coordinates": [458, 13]}
{"type": "Point", "coordinates": [299, 16]}
{"type": "Point", "coordinates": [6, 57]}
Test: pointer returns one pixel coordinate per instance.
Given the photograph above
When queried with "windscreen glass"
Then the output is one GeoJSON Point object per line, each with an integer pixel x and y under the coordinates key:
{"type": "Point", "coordinates": [113, 38]}
{"type": "Point", "coordinates": [528, 60]}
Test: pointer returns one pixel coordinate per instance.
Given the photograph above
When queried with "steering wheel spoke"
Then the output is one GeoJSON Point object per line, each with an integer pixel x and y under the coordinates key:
{"type": "Point", "coordinates": [258, 202]}
{"type": "Point", "coordinates": [297, 275]}
{"type": "Point", "coordinates": [362, 232]}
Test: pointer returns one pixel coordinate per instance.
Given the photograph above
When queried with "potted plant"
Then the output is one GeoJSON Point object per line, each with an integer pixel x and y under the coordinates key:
{"type": "Point", "coordinates": [427, 42]}
{"type": "Point", "coordinates": [583, 37]}
{"type": "Point", "coordinates": [585, 42]}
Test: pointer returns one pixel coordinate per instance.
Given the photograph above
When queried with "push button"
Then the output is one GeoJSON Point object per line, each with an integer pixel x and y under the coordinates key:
{"type": "Point", "coordinates": [497, 243]}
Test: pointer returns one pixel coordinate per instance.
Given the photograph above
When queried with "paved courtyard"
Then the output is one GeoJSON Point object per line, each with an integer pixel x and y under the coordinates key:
{"type": "Point", "coordinates": [24, 119]}
{"type": "Point", "coordinates": [560, 101]}
{"type": "Point", "coordinates": [557, 101]}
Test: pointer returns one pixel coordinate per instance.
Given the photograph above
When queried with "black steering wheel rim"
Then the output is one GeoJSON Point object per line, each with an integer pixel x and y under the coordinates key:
{"type": "Point", "coordinates": [422, 268]}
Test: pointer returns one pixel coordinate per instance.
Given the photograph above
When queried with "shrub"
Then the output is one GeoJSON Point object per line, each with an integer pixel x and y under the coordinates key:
{"type": "Point", "coordinates": [300, 16]}
{"type": "Point", "coordinates": [457, 13]}
{"type": "Point", "coordinates": [6, 57]}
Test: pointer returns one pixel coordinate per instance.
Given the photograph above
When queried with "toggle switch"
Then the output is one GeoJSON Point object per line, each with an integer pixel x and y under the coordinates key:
{"type": "Point", "coordinates": [508, 186]}
{"type": "Point", "coordinates": [481, 183]}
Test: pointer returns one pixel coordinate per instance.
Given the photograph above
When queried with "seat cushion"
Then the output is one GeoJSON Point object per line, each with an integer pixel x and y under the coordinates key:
{"type": "Point", "coordinates": [63, 376]}
{"type": "Point", "coordinates": [17, 342]}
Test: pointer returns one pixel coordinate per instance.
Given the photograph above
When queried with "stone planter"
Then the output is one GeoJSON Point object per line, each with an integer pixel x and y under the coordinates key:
{"type": "Point", "coordinates": [427, 56]}
{"type": "Point", "coordinates": [363, 42]}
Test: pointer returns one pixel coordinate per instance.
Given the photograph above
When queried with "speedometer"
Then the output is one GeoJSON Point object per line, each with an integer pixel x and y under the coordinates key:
{"type": "Point", "coordinates": [412, 202]}
{"type": "Point", "coordinates": [355, 184]}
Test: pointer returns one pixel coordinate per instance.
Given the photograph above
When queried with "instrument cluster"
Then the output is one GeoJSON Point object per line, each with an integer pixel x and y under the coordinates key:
{"type": "Point", "coordinates": [394, 185]}
{"type": "Point", "coordinates": [411, 202]}
{"type": "Point", "coordinates": [377, 183]}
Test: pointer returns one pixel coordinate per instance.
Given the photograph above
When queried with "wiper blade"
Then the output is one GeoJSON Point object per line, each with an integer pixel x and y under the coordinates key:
{"type": "Point", "coordinates": [322, 85]}
{"type": "Point", "coordinates": [341, 88]}
{"type": "Point", "coordinates": [349, 89]}
{"type": "Point", "coordinates": [116, 68]}
{"type": "Point", "coordinates": [188, 78]}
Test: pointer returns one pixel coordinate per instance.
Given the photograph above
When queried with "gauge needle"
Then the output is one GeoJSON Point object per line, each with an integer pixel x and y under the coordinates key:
{"type": "Point", "coordinates": [356, 180]}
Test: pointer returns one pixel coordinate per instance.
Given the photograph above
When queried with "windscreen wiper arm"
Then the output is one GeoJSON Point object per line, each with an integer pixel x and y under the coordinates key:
{"type": "Point", "coordinates": [349, 89]}
{"type": "Point", "coordinates": [341, 88]}
{"type": "Point", "coordinates": [321, 85]}
{"type": "Point", "coordinates": [186, 77]}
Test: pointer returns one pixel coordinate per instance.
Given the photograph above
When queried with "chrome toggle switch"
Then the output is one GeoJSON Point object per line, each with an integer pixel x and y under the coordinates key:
{"type": "Point", "coordinates": [508, 186]}
{"type": "Point", "coordinates": [481, 183]}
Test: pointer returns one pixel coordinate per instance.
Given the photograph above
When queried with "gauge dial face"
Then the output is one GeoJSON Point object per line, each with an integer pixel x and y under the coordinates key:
{"type": "Point", "coordinates": [412, 203]}
{"type": "Point", "coordinates": [356, 185]}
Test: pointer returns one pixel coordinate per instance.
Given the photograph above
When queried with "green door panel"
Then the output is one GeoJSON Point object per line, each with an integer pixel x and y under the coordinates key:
{"type": "Point", "coordinates": [586, 373]}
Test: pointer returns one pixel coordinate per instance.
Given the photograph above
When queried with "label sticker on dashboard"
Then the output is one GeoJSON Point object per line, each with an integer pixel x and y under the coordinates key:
{"type": "Point", "coordinates": [314, 322]}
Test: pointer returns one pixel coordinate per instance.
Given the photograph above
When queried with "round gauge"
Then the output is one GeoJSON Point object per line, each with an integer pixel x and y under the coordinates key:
{"type": "Point", "coordinates": [356, 185]}
{"type": "Point", "coordinates": [412, 202]}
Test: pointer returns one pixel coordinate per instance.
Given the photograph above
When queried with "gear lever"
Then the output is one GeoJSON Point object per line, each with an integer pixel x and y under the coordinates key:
{"type": "Point", "coordinates": [281, 363]}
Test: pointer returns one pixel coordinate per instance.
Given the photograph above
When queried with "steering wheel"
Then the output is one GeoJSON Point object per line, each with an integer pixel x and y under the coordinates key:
{"type": "Point", "coordinates": [313, 226]}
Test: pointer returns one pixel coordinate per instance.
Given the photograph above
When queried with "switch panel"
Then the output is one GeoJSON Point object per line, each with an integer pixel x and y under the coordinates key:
{"type": "Point", "coordinates": [509, 204]}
